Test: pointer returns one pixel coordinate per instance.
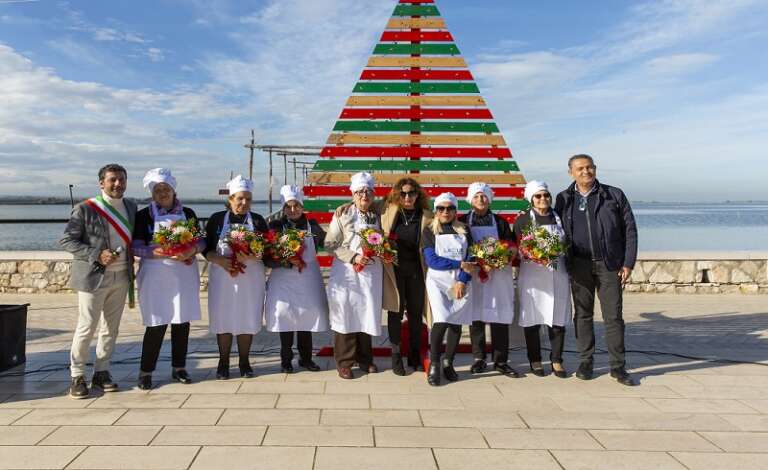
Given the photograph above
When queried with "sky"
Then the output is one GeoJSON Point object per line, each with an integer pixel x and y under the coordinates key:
{"type": "Point", "coordinates": [670, 97]}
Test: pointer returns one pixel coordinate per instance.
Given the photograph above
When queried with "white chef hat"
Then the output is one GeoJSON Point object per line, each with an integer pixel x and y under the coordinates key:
{"type": "Point", "coordinates": [446, 197]}
{"type": "Point", "coordinates": [238, 184]}
{"type": "Point", "coordinates": [291, 193]}
{"type": "Point", "coordinates": [360, 181]}
{"type": "Point", "coordinates": [159, 175]}
{"type": "Point", "coordinates": [534, 187]}
{"type": "Point", "coordinates": [479, 187]}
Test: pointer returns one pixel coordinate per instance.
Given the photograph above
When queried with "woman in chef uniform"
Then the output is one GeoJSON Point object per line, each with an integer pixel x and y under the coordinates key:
{"type": "Point", "coordinates": [446, 242]}
{"type": "Point", "coordinates": [235, 300]}
{"type": "Point", "coordinates": [493, 301]}
{"type": "Point", "coordinates": [355, 299]}
{"type": "Point", "coordinates": [296, 301]}
{"type": "Point", "coordinates": [545, 293]}
{"type": "Point", "coordinates": [169, 286]}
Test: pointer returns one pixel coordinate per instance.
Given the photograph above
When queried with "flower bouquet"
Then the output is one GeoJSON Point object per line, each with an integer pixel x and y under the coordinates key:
{"type": "Point", "coordinates": [246, 242]}
{"type": "Point", "coordinates": [541, 246]}
{"type": "Point", "coordinates": [177, 237]}
{"type": "Point", "coordinates": [289, 247]}
{"type": "Point", "coordinates": [489, 254]}
{"type": "Point", "coordinates": [375, 244]}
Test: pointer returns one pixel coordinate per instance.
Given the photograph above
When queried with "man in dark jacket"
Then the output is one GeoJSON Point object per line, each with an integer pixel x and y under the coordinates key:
{"type": "Point", "coordinates": [599, 222]}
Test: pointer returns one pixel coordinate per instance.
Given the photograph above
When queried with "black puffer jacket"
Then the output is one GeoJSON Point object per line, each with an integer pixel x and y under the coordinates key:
{"type": "Point", "coordinates": [615, 224]}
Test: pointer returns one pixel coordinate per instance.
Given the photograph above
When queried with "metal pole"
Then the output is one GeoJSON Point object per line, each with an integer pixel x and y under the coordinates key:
{"type": "Point", "coordinates": [285, 168]}
{"type": "Point", "coordinates": [270, 182]}
{"type": "Point", "coordinates": [250, 163]}
{"type": "Point", "coordinates": [294, 172]}
{"type": "Point", "coordinates": [71, 198]}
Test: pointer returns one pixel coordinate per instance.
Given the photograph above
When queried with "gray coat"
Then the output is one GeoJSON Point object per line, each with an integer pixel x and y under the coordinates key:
{"type": "Point", "coordinates": [86, 236]}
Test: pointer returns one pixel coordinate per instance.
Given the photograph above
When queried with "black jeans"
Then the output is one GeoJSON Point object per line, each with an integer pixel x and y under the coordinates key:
{"type": "Point", "coordinates": [499, 341]}
{"type": "Point", "coordinates": [588, 276]}
{"type": "Point", "coordinates": [436, 341]}
{"type": "Point", "coordinates": [153, 341]}
{"type": "Point", "coordinates": [410, 286]}
{"type": "Point", "coordinates": [303, 344]}
{"type": "Point", "coordinates": [556, 341]}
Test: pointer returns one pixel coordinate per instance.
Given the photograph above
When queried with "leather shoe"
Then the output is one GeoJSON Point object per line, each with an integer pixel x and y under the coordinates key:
{"type": "Point", "coordinates": [181, 376]}
{"type": "Point", "coordinates": [622, 377]}
{"type": "Point", "coordinates": [585, 371]}
{"type": "Point", "coordinates": [287, 368]}
{"type": "Point", "coordinates": [103, 380]}
{"type": "Point", "coordinates": [222, 372]}
{"type": "Point", "coordinates": [397, 364]}
{"type": "Point", "coordinates": [537, 371]}
{"type": "Point", "coordinates": [345, 373]}
{"type": "Point", "coordinates": [369, 369]}
{"type": "Point", "coordinates": [246, 371]}
{"type": "Point", "coordinates": [449, 372]}
{"type": "Point", "coordinates": [505, 369]}
{"type": "Point", "coordinates": [416, 364]}
{"type": "Point", "coordinates": [433, 377]}
{"type": "Point", "coordinates": [310, 366]}
{"type": "Point", "coordinates": [78, 388]}
{"type": "Point", "coordinates": [562, 373]}
{"type": "Point", "coordinates": [145, 382]}
{"type": "Point", "coordinates": [478, 367]}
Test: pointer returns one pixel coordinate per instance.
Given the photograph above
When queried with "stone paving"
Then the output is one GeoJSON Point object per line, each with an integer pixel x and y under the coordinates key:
{"type": "Point", "coordinates": [688, 413]}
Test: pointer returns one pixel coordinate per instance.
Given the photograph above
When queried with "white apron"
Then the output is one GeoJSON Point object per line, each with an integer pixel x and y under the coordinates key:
{"type": "Point", "coordinates": [354, 299]}
{"type": "Point", "coordinates": [545, 293]}
{"type": "Point", "coordinates": [493, 301]}
{"type": "Point", "coordinates": [235, 304]}
{"type": "Point", "coordinates": [169, 290]}
{"type": "Point", "coordinates": [446, 308]}
{"type": "Point", "coordinates": [296, 301]}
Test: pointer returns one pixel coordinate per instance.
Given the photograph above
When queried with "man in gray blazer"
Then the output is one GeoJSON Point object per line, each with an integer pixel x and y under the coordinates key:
{"type": "Point", "coordinates": [99, 237]}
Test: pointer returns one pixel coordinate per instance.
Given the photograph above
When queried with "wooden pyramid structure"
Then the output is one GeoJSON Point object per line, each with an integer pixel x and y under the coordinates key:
{"type": "Point", "coordinates": [415, 111]}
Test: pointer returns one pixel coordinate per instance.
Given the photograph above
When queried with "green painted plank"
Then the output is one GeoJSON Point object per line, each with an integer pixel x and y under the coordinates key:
{"type": "Point", "coordinates": [396, 87]}
{"type": "Point", "coordinates": [328, 205]}
{"type": "Point", "coordinates": [407, 49]}
{"type": "Point", "coordinates": [416, 10]}
{"type": "Point", "coordinates": [416, 126]}
{"type": "Point", "coordinates": [414, 165]}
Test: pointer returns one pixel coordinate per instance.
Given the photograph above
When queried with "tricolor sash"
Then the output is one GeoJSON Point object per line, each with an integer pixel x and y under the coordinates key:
{"type": "Point", "coordinates": [124, 229]}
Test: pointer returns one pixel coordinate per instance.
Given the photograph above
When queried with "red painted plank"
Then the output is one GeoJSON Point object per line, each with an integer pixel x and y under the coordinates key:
{"type": "Point", "coordinates": [382, 191]}
{"type": "Point", "coordinates": [412, 36]}
{"type": "Point", "coordinates": [325, 217]}
{"type": "Point", "coordinates": [417, 1]}
{"type": "Point", "coordinates": [416, 152]}
{"type": "Point", "coordinates": [374, 74]}
{"type": "Point", "coordinates": [420, 113]}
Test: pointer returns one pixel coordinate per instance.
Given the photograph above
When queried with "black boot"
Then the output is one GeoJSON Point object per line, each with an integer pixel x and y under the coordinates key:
{"type": "Point", "coordinates": [448, 371]}
{"type": "Point", "coordinates": [433, 377]}
{"type": "Point", "coordinates": [397, 361]}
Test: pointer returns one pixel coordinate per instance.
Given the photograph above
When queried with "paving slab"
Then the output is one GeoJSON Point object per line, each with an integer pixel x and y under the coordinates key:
{"type": "Point", "coordinates": [282, 388]}
{"type": "Point", "coordinates": [248, 458]}
{"type": "Point", "coordinates": [239, 417]}
{"type": "Point", "coordinates": [165, 417]}
{"type": "Point", "coordinates": [102, 436]}
{"type": "Point", "coordinates": [130, 457]}
{"type": "Point", "coordinates": [138, 400]}
{"type": "Point", "coordinates": [335, 401]}
{"type": "Point", "coordinates": [23, 435]}
{"type": "Point", "coordinates": [37, 457]}
{"type": "Point", "coordinates": [540, 439]}
{"type": "Point", "coordinates": [461, 459]}
{"type": "Point", "coordinates": [729, 461]}
{"type": "Point", "coordinates": [663, 441]}
{"type": "Point", "coordinates": [374, 458]}
{"type": "Point", "coordinates": [473, 418]}
{"type": "Point", "coordinates": [746, 422]}
{"type": "Point", "coordinates": [210, 436]}
{"type": "Point", "coordinates": [11, 415]}
{"type": "Point", "coordinates": [739, 441]}
{"type": "Point", "coordinates": [420, 401]}
{"type": "Point", "coordinates": [371, 417]}
{"type": "Point", "coordinates": [230, 400]}
{"type": "Point", "coordinates": [320, 436]}
{"type": "Point", "coordinates": [449, 438]}
{"type": "Point", "coordinates": [82, 417]}
{"type": "Point", "coordinates": [44, 400]}
{"type": "Point", "coordinates": [615, 460]}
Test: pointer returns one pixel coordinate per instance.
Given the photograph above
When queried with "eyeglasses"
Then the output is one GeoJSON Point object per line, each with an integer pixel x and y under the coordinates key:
{"type": "Point", "coordinates": [409, 193]}
{"type": "Point", "coordinates": [445, 208]}
{"type": "Point", "coordinates": [363, 192]}
{"type": "Point", "coordinates": [542, 195]}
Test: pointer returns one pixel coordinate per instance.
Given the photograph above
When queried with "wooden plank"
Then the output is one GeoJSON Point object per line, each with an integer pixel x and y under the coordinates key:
{"type": "Point", "coordinates": [416, 1]}
{"type": "Point", "coordinates": [420, 113]}
{"type": "Point", "coordinates": [416, 23]}
{"type": "Point", "coordinates": [416, 126]}
{"type": "Point", "coordinates": [433, 191]}
{"type": "Point", "coordinates": [383, 61]}
{"type": "Point", "coordinates": [412, 36]}
{"type": "Point", "coordinates": [325, 218]}
{"type": "Point", "coordinates": [422, 178]}
{"type": "Point", "coordinates": [416, 152]}
{"type": "Point", "coordinates": [385, 74]}
{"type": "Point", "coordinates": [408, 49]}
{"type": "Point", "coordinates": [415, 101]}
{"type": "Point", "coordinates": [415, 165]}
{"type": "Point", "coordinates": [419, 87]}
{"type": "Point", "coordinates": [330, 205]}
{"type": "Point", "coordinates": [416, 10]}
{"type": "Point", "coordinates": [397, 139]}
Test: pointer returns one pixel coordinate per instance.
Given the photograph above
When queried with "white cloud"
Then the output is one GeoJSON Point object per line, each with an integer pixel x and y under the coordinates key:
{"type": "Point", "coordinates": [680, 63]}
{"type": "Point", "coordinates": [155, 54]}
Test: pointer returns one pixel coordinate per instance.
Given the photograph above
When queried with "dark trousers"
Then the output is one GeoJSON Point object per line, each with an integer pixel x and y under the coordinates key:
{"type": "Point", "coordinates": [499, 341]}
{"type": "Point", "coordinates": [556, 341]}
{"type": "Point", "coordinates": [349, 348]}
{"type": "Point", "coordinates": [436, 337]}
{"type": "Point", "coordinates": [410, 286]}
{"type": "Point", "coordinates": [588, 276]}
{"type": "Point", "coordinates": [303, 344]}
{"type": "Point", "coordinates": [153, 341]}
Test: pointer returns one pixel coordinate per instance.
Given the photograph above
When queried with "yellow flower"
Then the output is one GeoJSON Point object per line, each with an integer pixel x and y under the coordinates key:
{"type": "Point", "coordinates": [185, 237]}
{"type": "Point", "coordinates": [294, 245]}
{"type": "Point", "coordinates": [256, 246]}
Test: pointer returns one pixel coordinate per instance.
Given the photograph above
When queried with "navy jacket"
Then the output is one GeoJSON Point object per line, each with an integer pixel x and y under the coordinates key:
{"type": "Point", "coordinates": [615, 224]}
